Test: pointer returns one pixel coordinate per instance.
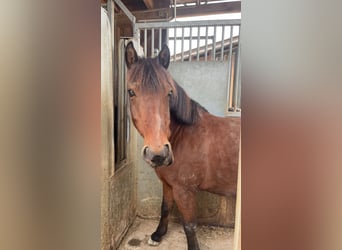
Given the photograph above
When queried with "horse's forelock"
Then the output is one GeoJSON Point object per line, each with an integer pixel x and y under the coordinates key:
{"type": "Point", "coordinates": [151, 76]}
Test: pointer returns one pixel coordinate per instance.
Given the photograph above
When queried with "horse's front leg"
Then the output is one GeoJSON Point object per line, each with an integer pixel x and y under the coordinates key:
{"type": "Point", "coordinates": [166, 207]}
{"type": "Point", "coordinates": [186, 203]}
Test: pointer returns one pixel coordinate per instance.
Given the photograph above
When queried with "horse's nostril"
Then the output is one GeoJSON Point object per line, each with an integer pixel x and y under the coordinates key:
{"type": "Point", "coordinates": [158, 157]}
{"type": "Point", "coordinates": [145, 151]}
{"type": "Point", "coordinates": [158, 160]}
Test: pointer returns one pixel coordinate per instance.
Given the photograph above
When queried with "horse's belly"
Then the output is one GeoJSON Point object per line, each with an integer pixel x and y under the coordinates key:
{"type": "Point", "coordinates": [220, 180]}
{"type": "Point", "coordinates": [215, 173]}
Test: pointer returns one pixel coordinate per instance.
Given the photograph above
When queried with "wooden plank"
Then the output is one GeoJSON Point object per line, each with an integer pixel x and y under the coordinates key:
{"type": "Point", "coordinates": [209, 9]}
{"type": "Point", "coordinates": [164, 14]}
{"type": "Point", "coordinates": [156, 4]}
{"type": "Point", "coordinates": [237, 231]}
{"type": "Point", "coordinates": [167, 13]}
{"type": "Point", "coordinates": [149, 4]}
{"type": "Point", "coordinates": [107, 115]}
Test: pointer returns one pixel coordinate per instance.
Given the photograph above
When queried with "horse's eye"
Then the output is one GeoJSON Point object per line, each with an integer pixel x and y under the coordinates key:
{"type": "Point", "coordinates": [170, 93]}
{"type": "Point", "coordinates": [131, 93]}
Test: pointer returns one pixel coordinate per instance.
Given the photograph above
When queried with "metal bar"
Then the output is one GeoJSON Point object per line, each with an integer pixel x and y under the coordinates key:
{"type": "Point", "coordinates": [229, 94]}
{"type": "Point", "coordinates": [201, 37]}
{"type": "Point", "coordinates": [190, 43]}
{"type": "Point", "coordinates": [222, 43]}
{"type": "Point", "coordinates": [237, 94]}
{"type": "Point", "coordinates": [214, 45]}
{"type": "Point", "coordinates": [121, 106]}
{"type": "Point", "coordinates": [136, 34]}
{"type": "Point", "coordinates": [175, 9]}
{"type": "Point", "coordinates": [198, 41]}
{"type": "Point", "coordinates": [174, 46]}
{"type": "Point", "coordinates": [111, 7]}
{"type": "Point", "coordinates": [145, 42]}
{"type": "Point", "coordinates": [129, 14]}
{"type": "Point", "coordinates": [160, 38]}
{"type": "Point", "coordinates": [167, 36]}
{"type": "Point", "coordinates": [235, 22]}
{"type": "Point", "coordinates": [182, 46]}
{"type": "Point", "coordinates": [206, 44]}
{"type": "Point", "coordinates": [152, 42]}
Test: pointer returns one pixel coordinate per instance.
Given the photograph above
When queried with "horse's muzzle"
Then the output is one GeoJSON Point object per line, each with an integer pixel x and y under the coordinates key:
{"type": "Point", "coordinates": [156, 158]}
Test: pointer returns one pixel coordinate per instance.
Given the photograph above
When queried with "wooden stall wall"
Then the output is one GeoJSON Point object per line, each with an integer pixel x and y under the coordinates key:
{"type": "Point", "coordinates": [107, 142]}
{"type": "Point", "coordinates": [118, 198]}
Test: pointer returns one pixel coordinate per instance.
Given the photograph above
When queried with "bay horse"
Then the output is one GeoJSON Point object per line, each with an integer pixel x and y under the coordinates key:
{"type": "Point", "coordinates": [189, 148]}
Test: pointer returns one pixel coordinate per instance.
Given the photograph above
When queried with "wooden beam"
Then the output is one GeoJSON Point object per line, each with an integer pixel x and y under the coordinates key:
{"type": "Point", "coordinates": [167, 13]}
{"type": "Point", "coordinates": [156, 14]}
{"type": "Point", "coordinates": [149, 4]}
{"type": "Point", "coordinates": [156, 4]}
{"type": "Point", "coordinates": [209, 9]}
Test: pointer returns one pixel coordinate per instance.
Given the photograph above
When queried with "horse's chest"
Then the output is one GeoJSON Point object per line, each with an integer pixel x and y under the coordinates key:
{"type": "Point", "coordinates": [181, 174]}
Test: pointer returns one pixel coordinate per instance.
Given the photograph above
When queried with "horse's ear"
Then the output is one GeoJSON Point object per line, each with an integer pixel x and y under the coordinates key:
{"type": "Point", "coordinates": [131, 55]}
{"type": "Point", "coordinates": [164, 56]}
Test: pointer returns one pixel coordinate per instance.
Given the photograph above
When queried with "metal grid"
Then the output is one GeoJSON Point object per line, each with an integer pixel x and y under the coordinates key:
{"type": "Point", "coordinates": [211, 40]}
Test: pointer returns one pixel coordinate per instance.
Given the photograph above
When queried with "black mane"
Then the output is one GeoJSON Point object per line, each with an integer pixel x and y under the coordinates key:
{"type": "Point", "coordinates": [183, 109]}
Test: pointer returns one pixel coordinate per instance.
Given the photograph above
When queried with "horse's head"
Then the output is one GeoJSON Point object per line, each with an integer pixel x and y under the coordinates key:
{"type": "Point", "coordinates": [150, 89]}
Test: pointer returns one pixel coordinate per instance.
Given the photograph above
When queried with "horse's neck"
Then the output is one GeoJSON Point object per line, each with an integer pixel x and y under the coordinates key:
{"type": "Point", "coordinates": [177, 129]}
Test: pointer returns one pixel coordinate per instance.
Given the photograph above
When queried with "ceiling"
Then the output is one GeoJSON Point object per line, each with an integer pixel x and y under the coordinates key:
{"type": "Point", "coordinates": [185, 8]}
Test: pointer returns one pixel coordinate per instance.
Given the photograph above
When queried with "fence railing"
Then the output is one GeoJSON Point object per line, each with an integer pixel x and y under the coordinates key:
{"type": "Point", "coordinates": [210, 40]}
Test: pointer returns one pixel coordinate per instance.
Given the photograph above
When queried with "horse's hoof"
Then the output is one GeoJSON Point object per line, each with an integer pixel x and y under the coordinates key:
{"type": "Point", "coordinates": [152, 242]}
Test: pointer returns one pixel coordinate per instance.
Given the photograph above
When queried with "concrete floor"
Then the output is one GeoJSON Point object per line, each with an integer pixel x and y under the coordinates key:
{"type": "Point", "coordinates": [209, 237]}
